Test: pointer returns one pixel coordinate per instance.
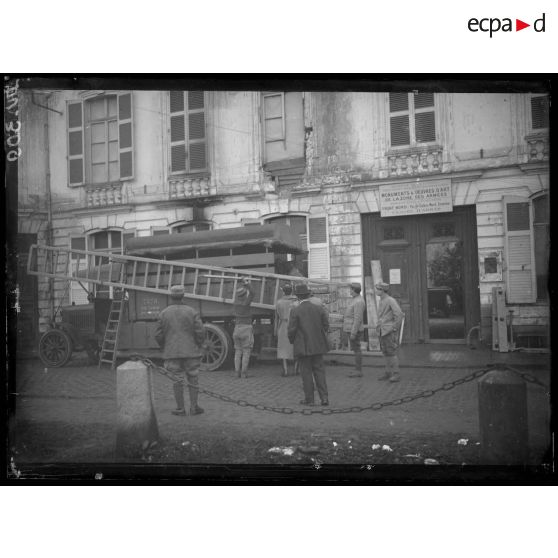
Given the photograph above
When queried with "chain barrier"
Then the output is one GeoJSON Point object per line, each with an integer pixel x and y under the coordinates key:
{"type": "Point", "coordinates": [355, 409]}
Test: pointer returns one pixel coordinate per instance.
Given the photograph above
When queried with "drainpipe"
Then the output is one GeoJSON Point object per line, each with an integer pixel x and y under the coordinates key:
{"type": "Point", "coordinates": [49, 229]}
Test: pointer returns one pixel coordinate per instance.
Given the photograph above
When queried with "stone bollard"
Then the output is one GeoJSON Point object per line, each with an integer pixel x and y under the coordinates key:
{"type": "Point", "coordinates": [503, 419]}
{"type": "Point", "coordinates": [137, 423]}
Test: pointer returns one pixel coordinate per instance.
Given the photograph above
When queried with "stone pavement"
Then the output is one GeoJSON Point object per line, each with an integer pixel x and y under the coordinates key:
{"type": "Point", "coordinates": [81, 394]}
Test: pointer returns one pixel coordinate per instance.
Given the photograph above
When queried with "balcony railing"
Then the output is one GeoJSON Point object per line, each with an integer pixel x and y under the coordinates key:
{"type": "Point", "coordinates": [103, 196]}
{"type": "Point", "coordinates": [186, 188]}
{"type": "Point", "coordinates": [415, 161]}
{"type": "Point", "coordinates": [537, 147]}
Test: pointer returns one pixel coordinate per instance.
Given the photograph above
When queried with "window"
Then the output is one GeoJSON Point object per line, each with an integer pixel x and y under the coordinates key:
{"type": "Point", "coordinates": [520, 268]}
{"type": "Point", "coordinates": [541, 232]}
{"type": "Point", "coordinates": [412, 119]}
{"type": "Point", "coordinates": [100, 140]}
{"type": "Point", "coordinates": [283, 130]}
{"type": "Point", "coordinates": [188, 138]}
{"type": "Point", "coordinates": [285, 264]}
{"type": "Point", "coordinates": [191, 227]}
{"type": "Point", "coordinates": [105, 241]}
{"type": "Point", "coordinates": [539, 112]}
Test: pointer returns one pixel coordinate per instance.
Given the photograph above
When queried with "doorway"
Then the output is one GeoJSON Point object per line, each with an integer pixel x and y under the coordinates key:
{"type": "Point", "coordinates": [430, 262]}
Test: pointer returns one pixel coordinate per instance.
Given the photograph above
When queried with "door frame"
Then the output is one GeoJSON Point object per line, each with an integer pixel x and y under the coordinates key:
{"type": "Point", "coordinates": [417, 328]}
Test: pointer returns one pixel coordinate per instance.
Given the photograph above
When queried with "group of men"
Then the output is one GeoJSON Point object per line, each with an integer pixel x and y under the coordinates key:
{"type": "Point", "coordinates": [301, 322]}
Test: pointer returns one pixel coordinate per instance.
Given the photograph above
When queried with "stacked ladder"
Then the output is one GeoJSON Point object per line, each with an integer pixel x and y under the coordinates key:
{"type": "Point", "coordinates": [107, 354]}
{"type": "Point", "coordinates": [200, 282]}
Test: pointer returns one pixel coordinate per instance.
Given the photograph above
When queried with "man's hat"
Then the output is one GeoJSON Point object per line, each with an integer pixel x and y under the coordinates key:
{"type": "Point", "coordinates": [382, 286]}
{"type": "Point", "coordinates": [301, 289]}
{"type": "Point", "coordinates": [177, 291]}
{"type": "Point", "coordinates": [356, 287]}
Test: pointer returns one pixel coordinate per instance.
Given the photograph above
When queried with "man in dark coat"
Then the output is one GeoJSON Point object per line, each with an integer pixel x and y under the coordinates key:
{"type": "Point", "coordinates": [180, 334]}
{"type": "Point", "coordinates": [307, 331]}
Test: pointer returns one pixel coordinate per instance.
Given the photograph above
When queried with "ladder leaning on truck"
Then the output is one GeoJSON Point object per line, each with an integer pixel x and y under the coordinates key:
{"type": "Point", "coordinates": [140, 287]}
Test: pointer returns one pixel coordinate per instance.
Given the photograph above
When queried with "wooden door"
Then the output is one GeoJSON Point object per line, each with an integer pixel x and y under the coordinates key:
{"type": "Point", "coordinates": [393, 241]}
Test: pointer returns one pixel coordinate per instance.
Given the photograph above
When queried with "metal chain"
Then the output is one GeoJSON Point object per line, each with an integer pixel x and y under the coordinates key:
{"type": "Point", "coordinates": [355, 409]}
{"type": "Point", "coordinates": [527, 377]}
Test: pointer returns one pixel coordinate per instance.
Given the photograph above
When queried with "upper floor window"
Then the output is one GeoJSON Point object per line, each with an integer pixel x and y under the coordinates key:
{"type": "Point", "coordinates": [100, 140]}
{"type": "Point", "coordinates": [188, 136]}
{"type": "Point", "coordinates": [282, 126]}
{"type": "Point", "coordinates": [412, 119]}
{"type": "Point", "coordinates": [539, 112]}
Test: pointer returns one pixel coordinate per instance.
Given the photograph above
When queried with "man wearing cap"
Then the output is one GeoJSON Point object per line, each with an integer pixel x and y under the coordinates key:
{"type": "Point", "coordinates": [353, 326]}
{"type": "Point", "coordinates": [243, 334]}
{"type": "Point", "coordinates": [307, 331]}
{"type": "Point", "coordinates": [180, 334]}
{"type": "Point", "coordinates": [390, 317]}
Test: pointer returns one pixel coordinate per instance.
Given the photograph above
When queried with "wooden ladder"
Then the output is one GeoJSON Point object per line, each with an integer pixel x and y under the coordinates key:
{"type": "Point", "coordinates": [110, 340]}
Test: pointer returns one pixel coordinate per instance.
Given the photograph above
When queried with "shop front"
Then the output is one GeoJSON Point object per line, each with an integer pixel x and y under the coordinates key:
{"type": "Point", "coordinates": [431, 262]}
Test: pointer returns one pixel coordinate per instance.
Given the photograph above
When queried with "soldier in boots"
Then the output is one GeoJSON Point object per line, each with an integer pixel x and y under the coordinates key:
{"type": "Point", "coordinates": [353, 326]}
{"type": "Point", "coordinates": [390, 317]}
{"type": "Point", "coordinates": [243, 334]}
{"type": "Point", "coordinates": [181, 335]}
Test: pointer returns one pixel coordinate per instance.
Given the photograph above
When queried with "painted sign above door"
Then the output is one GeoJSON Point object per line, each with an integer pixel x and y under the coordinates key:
{"type": "Point", "coordinates": [416, 198]}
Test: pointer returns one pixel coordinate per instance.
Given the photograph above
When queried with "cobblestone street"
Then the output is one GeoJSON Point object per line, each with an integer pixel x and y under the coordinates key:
{"type": "Point", "coordinates": [76, 400]}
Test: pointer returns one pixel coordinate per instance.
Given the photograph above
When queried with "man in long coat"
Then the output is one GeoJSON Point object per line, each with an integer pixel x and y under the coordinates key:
{"type": "Point", "coordinates": [307, 331]}
{"type": "Point", "coordinates": [180, 334]}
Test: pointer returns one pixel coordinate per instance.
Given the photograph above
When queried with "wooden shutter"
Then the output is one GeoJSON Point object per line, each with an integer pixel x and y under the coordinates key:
{"type": "Point", "coordinates": [76, 171]}
{"type": "Point", "coordinates": [539, 112]}
{"type": "Point", "coordinates": [274, 116]}
{"type": "Point", "coordinates": [520, 268]}
{"type": "Point", "coordinates": [196, 131]}
{"type": "Point", "coordinates": [125, 135]}
{"type": "Point", "coordinates": [425, 124]}
{"type": "Point", "coordinates": [399, 123]}
{"type": "Point", "coordinates": [77, 294]}
{"type": "Point", "coordinates": [177, 132]}
{"type": "Point", "coordinates": [318, 248]}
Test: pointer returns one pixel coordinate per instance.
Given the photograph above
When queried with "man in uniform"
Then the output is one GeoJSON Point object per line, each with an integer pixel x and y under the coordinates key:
{"type": "Point", "coordinates": [180, 334]}
{"type": "Point", "coordinates": [353, 326]}
{"type": "Point", "coordinates": [243, 334]}
{"type": "Point", "coordinates": [307, 331]}
{"type": "Point", "coordinates": [390, 317]}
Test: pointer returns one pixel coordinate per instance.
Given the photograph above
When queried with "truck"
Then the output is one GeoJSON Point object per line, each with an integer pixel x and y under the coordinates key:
{"type": "Point", "coordinates": [127, 291]}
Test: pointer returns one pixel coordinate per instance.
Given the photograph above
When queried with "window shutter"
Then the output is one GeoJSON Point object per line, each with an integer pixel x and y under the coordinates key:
{"type": "Point", "coordinates": [539, 112]}
{"type": "Point", "coordinates": [318, 248]}
{"type": "Point", "coordinates": [425, 128]}
{"type": "Point", "coordinates": [274, 116]}
{"type": "Point", "coordinates": [519, 251]}
{"type": "Point", "coordinates": [196, 131]}
{"type": "Point", "coordinates": [125, 135]}
{"type": "Point", "coordinates": [399, 128]}
{"type": "Point", "coordinates": [77, 294]}
{"type": "Point", "coordinates": [178, 132]}
{"type": "Point", "coordinates": [76, 174]}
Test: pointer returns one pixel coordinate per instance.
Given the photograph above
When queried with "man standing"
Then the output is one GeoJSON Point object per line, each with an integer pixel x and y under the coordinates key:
{"type": "Point", "coordinates": [307, 331]}
{"type": "Point", "coordinates": [180, 334]}
{"type": "Point", "coordinates": [283, 309]}
{"type": "Point", "coordinates": [353, 327]}
{"type": "Point", "coordinates": [243, 334]}
{"type": "Point", "coordinates": [390, 317]}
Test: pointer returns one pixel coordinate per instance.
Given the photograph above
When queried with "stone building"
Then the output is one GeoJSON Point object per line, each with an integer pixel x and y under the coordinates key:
{"type": "Point", "coordinates": [446, 192]}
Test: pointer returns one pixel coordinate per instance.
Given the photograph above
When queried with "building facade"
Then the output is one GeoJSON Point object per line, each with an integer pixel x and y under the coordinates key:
{"type": "Point", "coordinates": [443, 195]}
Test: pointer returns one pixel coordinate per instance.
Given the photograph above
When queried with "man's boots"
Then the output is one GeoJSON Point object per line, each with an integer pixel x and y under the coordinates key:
{"type": "Point", "coordinates": [238, 363]}
{"type": "Point", "coordinates": [245, 363]}
{"type": "Point", "coordinates": [358, 366]}
{"type": "Point", "coordinates": [193, 390]}
{"type": "Point", "coordinates": [394, 365]}
{"type": "Point", "coordinates": [178, 389]}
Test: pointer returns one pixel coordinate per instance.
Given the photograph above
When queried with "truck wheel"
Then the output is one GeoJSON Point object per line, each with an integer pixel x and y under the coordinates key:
{"type": "Point", "coordinates": [218, 347]}
{"type": "Point", "coordinates": [55, 348]}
